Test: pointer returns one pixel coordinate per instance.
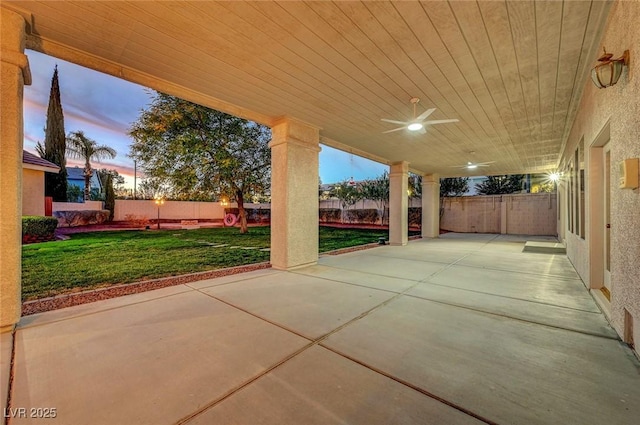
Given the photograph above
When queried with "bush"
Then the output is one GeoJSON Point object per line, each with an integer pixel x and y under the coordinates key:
{"type": "Point", "coordinates": [137, 221]}
{"type": "Point", "coordinates": [329, 215]}
{"type": "Point", "coordinates": [415, 216]}
{"type": "Point", "coordinates": [365, 216]}
{"type": "Point", "coordinates": [254, 215]}
{"type": "Point", "coordinates": [38, 229]}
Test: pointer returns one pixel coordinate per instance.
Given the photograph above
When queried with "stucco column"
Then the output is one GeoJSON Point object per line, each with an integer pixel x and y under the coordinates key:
{"type": "Point", "coordinates": [398, 203]}
{"type": "Point", "coordinates": [294, 194]}
{"type": "Point", "coordinates": [430, 206]}
{"type": "Point", "coordinates": [14, 75]}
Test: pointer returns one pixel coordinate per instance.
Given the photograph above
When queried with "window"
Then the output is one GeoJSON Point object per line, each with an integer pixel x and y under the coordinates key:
{"type": "Point", "coordinates": [570, 197]}
{"type": "Point", "coordinates": [575, 192]}
{"type": "Point", "coordinates": [581, 191]}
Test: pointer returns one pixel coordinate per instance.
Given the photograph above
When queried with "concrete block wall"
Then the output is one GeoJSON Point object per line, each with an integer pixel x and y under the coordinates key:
{"type": "Point", "coordinates": [175, 210]}
{"type": "Point", "coordinates": [518, 214]}
{"type": "Point", "coordinates": [78, 206]}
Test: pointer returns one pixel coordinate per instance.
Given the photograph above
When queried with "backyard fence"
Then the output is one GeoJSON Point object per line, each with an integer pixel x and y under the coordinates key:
{"type": "Point", "coordinates": [521, 214]}
{"type": "Point", "coordinates": [517, 214]}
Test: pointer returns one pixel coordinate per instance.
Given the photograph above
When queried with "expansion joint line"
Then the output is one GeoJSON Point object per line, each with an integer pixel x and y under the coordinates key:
{"type": "Point", "coordinates": [318, 342]}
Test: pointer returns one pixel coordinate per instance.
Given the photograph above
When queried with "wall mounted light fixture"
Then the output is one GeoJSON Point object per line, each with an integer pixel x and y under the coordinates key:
{"type": "Point", "coordinates": [608, 71]}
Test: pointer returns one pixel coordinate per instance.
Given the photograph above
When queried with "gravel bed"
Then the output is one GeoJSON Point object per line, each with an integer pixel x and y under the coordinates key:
{"type": "Point", "coordinates": [77, 298]}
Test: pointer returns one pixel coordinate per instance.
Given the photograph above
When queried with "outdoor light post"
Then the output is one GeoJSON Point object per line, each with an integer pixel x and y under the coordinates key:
{"type": "Point", "coordinates": [159, 202]}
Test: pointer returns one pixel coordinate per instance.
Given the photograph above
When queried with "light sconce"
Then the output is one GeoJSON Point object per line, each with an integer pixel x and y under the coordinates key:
{"type": "Point", "coordinates": [608, 71]}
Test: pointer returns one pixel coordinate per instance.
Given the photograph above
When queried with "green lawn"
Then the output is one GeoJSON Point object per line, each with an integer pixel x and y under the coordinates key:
{"type": "Point", "coordinates": [90, 260]}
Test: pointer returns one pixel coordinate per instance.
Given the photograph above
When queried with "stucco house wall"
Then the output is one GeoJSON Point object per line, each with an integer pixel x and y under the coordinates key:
{"type": "Point", "coordinates": [33, 169]}
{"type": "Point", "coordinates": [615, 110]}
{"type": "Point", "coordinates": [32, 192]}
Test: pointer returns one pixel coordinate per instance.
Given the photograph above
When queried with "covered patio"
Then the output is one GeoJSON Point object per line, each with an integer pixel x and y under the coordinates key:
{"type": "Point", "coordinates": [458, 330]}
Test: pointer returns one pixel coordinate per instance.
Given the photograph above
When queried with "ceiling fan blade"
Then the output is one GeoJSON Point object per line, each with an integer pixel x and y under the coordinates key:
{"type": "Point", "coordinates": [394, 121]}
{"type": "Point", "coordinates": [395, 129]}
{"type": "Point", "coordinates": [439, 121]}
{"type": "Point", "coordinates": [423, 130]}
{"type": "Point", "coordinates": [484, 164]}
{"type": "Point", "coordinates": [425, 114]}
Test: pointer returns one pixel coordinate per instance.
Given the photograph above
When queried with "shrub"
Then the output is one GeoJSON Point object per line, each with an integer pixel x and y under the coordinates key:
{"type": "Point", "coordinates": [254, 215]}
{"type": "Point", "coordinates": [329, 215]}
{"type": "Point", "coordinates": [38, 229]}
{"type": "Point", "coordinates": [368, 215]}
{"type": "Point", "coordinates": [415, 216]}
{"type": "Point", "coordinates": [136, 221]}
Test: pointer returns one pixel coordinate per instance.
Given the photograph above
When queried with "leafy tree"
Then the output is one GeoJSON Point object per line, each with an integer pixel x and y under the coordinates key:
{"type": "Point", "coordinates": [116, 179]}
{"type": "Point", "coordinates": [498, 185]}
{"type": "Point", "coordinates": [74, 193]}
{"type": "Point", "coordinates": [150, 188]}
{"type": "Point", "coordinates": [200, 153]}
{"type": "Point", "coordinates": [377, 190]}
{"type": "Point", "coordinates": [415, 186]}
{"type": "Point", "coordinates": [86, 149]}
{"type": "Point", "coordinates": [54, 149]}
{"type": "Point", "coordinates": [96, 194]}
{"type": "Point", "coordinates": [348, 194]}
{"type": "Point", "coordinates": [453, 186]}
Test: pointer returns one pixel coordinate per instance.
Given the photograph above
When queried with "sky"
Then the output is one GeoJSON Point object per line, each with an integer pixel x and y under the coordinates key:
{"type": "Point", "coordinates": [104, 107]}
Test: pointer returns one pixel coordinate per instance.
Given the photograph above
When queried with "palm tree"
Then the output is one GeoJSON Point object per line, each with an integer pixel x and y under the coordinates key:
{"type": "Point", "coordinates": [80, 146]}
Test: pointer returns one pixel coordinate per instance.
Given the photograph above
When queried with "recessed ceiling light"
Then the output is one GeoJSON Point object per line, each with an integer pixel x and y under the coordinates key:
{"type": "Point", "coordinates": [414, 126]}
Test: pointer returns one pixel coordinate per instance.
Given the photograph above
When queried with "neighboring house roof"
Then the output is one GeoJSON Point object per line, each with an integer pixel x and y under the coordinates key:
{"type": "Point", "coordinates": [75, 176]}
{"type": "Point", "coordinates": [75, 173]}
{"type": "Point", "coordinates": [33, 162]}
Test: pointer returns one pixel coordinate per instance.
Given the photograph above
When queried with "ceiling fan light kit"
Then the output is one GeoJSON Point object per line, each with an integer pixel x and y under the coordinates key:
{"type": "Point", "coordinates": [472, 165]}
{"type": "Point", "coordinates": [419, 122]}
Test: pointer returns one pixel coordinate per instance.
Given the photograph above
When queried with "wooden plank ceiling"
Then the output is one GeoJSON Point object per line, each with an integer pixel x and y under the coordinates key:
{"type": "Point", "coordinates": [512, 72]}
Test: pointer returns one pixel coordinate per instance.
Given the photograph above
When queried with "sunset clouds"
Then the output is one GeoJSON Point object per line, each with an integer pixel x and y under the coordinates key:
{"type": "Point", "coordinates": [104, 107]}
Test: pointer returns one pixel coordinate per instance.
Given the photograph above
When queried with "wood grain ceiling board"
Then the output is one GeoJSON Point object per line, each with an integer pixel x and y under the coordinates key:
{"type": "Point", "coordinates": [511, 71]}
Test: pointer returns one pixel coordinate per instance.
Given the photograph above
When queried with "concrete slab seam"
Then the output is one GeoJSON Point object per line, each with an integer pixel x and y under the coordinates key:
{"type": "Point", "coordinates": [227, 283]}
{"type": "Point", "coordinates": [479, 310]}
{"type": "Point", "coordinates": [243, 385]}
{"type": "Point", "coordinates": [312, 343]}
{"type": "Point", "coordinates": [374, 274]}
{"type": "Point", "coordinates": [519, 271]}
{"type": "Point", "coordinates": [359, 285]}
{"type": "Point", "coordinates": [413, 387]}
{"type": "Point", "coordinates": [90, 313]}
{"type": "Point", "coordinates": [413, 259]}
{"type": "Point", "coordinates": [507, 297]}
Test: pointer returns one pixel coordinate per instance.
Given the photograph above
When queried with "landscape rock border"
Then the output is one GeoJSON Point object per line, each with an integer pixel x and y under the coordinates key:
{"type": "Point", "coordinates": [77, 298]}
{"type": "Point", "coordinates": [84, 297]}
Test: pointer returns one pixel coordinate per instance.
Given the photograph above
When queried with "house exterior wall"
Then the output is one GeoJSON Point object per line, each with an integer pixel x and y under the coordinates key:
{"type": "Point", "coordinates": [615, 109]}
{"type": "Point", "coordinates": [32, 192]}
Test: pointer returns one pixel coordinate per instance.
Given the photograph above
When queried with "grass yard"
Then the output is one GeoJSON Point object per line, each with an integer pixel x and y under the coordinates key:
{"type": "Point", "coordinates": [90, 260]}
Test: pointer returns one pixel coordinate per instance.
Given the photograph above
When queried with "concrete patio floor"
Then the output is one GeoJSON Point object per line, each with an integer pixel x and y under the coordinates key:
{"type": "Point", "coordinates": [466, 329]}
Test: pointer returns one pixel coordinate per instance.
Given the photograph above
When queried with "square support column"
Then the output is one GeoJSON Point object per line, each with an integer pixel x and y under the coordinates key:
{"type": "Point", "coordinates": [430, 206]}
{"type": "Point", "coordinates": [399, 203]}
{"type": "Point", "coordinates": [14, 75]}
{"type": "Point", "coordinates": [294, 194]}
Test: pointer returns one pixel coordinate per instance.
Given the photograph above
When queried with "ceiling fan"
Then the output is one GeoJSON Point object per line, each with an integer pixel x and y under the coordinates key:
{"type": "Point", "coordinates": [473, 165]}
{"type": "Point", "coordinates": [418, 123]}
